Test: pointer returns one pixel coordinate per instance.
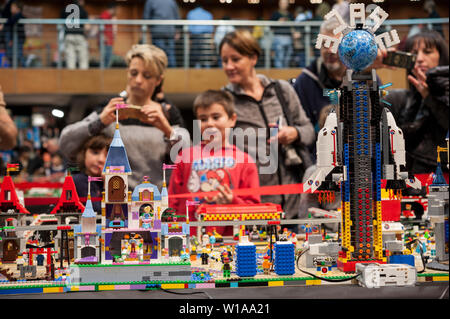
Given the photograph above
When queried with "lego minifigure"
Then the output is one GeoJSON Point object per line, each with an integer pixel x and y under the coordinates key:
{"type": "Point", "coordinates": [204, 256]}
{"type": "Point", "coordinates": [226, 268]}
{"type": "Point", "coordinates": [266, 265]}
{"type": "Point", "coordinates": [408, 213]}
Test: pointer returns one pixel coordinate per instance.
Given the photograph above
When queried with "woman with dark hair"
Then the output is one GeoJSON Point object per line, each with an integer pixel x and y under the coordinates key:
{"type": "Point", "coordinates": [422, 110]}
{"type": "Point", "coordinates": [260, 102]}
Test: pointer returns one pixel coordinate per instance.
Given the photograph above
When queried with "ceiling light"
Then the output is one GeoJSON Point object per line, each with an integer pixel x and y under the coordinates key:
{"type": "Point", "coordinates": [57, 113]}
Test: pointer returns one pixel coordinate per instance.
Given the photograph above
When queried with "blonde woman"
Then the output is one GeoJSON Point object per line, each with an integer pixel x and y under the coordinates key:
{"type": "Point", "coordinates": [146, 131]}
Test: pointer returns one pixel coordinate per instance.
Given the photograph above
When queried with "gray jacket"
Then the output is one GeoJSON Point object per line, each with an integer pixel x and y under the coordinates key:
{"type": "Point", "coordinates": [258, 114]}
{"type": "Point", "coordinates": [145, 145]}
{"type": "Point", "coordinates": [161, 10]}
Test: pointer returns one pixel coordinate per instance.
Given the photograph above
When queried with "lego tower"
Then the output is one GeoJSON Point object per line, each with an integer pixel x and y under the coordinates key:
{"type": "Point", "coordinates": [116, 199]}
{"type": "Point", "coordinates": [438, 198]}
{"type": "Point", "coordinates": [360, 143]}
{"type": "Point", "coordinates": [360, 116]}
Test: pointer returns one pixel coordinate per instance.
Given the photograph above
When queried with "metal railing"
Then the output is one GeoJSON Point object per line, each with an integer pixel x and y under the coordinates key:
{"type": "Point", "coordinates": [189, 50]}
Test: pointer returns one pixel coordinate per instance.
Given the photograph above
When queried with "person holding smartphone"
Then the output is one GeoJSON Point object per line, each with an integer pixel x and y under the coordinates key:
{"type": "Point", "coordinates": [422, 110]}
{"type": "Point", "coordinates": [146, 130]}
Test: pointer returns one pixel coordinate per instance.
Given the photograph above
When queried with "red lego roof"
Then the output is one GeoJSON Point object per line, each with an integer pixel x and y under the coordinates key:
{"type": "Point", "coordinates": [73, 203]}
{"type": "Point", "coordinates": [264, 208]}
{"type": "Point", "coordinates": [13, 201]}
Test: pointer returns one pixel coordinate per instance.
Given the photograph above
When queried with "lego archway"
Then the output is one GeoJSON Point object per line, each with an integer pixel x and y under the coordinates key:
{"type": "Point", "coordinates": [10, 250]}
{"type": "Point", "coordinates": [88, 252]}
{"type": "Point", "coordinates": [175, 245]}
{"type": "Point", "coordinates": [146, 208]}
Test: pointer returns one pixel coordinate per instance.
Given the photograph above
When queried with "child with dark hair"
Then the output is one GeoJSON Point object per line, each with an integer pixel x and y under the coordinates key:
{"type": "Point", "coordinates": [91, 159]}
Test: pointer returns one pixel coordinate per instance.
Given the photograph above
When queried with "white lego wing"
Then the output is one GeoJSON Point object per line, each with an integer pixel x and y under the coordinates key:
{"type": "Point", "coordinates": [396, 141]}
{"type": "Point", "coordinates": [326, 153]}
{"type": "Point", "coordinates": [397, 148]}
{"type": "Point", "coordinates": [414, 183]}
{"type": "Point", "coordinates": [316, 179]}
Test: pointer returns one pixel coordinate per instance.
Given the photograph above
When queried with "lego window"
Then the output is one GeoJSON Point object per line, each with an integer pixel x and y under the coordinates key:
{"type": "Point", "coordinates": [146, 195]}
{"type": "Point", "coordinates": [116, 189]}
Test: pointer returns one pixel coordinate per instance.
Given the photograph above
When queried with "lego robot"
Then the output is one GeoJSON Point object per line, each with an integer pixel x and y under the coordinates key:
{"type": "Point", "coordinates": [360, 143]}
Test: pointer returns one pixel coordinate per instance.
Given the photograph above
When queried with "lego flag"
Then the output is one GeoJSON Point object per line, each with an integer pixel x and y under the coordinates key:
{"type": "Point", "coordinates": [12, 167]}
{"type": "Point", "coordinates": [92, 179]}
{"type": "Point", "coordinates": [166, 166]}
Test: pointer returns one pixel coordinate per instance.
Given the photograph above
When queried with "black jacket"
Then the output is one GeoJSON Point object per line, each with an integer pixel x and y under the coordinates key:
{"type": "Point", "coordinates": [424, 121]}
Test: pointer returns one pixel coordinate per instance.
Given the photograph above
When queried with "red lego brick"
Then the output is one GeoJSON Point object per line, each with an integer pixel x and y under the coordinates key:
{"type": "Point", "coordinates": [350, 266]}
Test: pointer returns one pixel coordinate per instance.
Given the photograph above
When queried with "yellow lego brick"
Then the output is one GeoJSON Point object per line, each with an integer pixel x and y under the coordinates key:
{"type": "Point", "coordinates": [172, 286]}
{"type": "Point", "coordinates": [105, 287]}
{"type": "Point", "coordinates": [74, 288]}
{"type": "Point", "coordinates": [313, 282]}
{"type": "Point", "coordinates": [276, 283]}
{"type": "Point", "coordinates": [440, 278]}
{"type": "Point", "coordinates": [52, 290]}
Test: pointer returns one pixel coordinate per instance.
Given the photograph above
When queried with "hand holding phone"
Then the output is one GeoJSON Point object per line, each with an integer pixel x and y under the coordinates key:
{"type": "Point", "coordinates": [400, 59]}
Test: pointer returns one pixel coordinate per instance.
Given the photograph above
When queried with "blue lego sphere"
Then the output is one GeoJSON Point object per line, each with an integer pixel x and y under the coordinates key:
{"type": "Point", "coordinates": [358, 50]}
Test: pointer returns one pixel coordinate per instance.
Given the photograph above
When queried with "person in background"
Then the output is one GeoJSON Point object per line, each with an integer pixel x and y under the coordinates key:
{"type": "Point", "coordinates": [298, 42]}
{"type": "Point", "coordinates": [35, 162]}
{"type": "Point", "coordinates": [325, 72]}
{"type": "Point", "coordinates": [108, 34]}
{"type": "Point", "coordinates": [163, 36]}
{"type": "Point", "coordinates": [147, 134]}
{"type": "Point", "coordinates": [422, 111]}
{"type": "Point", "coordinates": [430, 7]}
{"type": "Point", "coordinates": [15, 7]}
{"type": "Point", "coordinates": [319, 14]}
{"type": "Point", "coordinates": [75, 43]}
{"type": "Point", "coordinates": [57, 168]}
{"type": "Point", "coordinates": [343, 8]}
{"type": "Point", "coordinates": [260, 103]}
{"type": "Point", "coordinates": [215, 111]}
{"type": "Point", "coordinates": [91, 158]}
{"type": "Point", "coordinates": [201, 38]}
{"type": "Point", "coordinates": [8, 130]}
{"type": "Point", "coordinates": [282, 36]}
{"type": "Point", "coordinates": [23, 157]}
{"type": "Point", "coordinates": [221, 30]}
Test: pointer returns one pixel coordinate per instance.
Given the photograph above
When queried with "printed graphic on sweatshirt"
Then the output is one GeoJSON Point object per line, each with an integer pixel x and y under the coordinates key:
{"type": "Point", "coordinates": [207, 174]}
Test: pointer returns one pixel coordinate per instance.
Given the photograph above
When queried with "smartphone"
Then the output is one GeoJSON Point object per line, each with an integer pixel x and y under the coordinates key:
{"type": "Point", "coordinates": [400, 59]}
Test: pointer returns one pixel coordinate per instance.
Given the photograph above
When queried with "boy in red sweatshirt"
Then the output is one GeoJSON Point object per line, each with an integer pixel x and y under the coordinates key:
{"type": "Point", "coordinates": [214, 164]}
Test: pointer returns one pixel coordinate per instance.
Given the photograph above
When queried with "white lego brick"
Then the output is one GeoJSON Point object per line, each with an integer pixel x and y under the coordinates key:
{"type": "Point", "coordinates": [380, 275]}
